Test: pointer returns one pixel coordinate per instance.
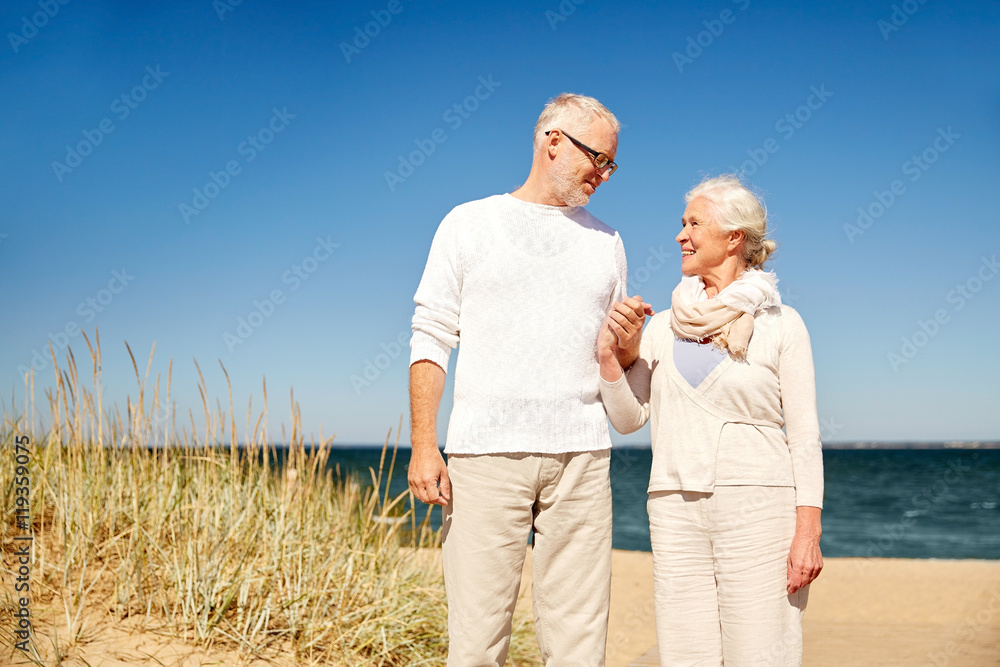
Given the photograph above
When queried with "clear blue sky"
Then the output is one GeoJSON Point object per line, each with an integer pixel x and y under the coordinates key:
{"type": "Point", "coordinates": [824, 106]}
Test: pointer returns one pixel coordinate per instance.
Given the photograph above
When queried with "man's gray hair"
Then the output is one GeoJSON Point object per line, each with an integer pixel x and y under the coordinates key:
{"type": "Point", "coordinates": [572, 113]}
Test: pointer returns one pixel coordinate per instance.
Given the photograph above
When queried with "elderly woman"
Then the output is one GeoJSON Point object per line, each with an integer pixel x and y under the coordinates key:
{"type": "Point", "coordinates": [734, 500]}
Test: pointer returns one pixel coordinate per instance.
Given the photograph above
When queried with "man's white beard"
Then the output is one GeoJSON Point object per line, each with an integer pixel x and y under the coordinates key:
{"type": "Point", "coordinates": [565, 187]}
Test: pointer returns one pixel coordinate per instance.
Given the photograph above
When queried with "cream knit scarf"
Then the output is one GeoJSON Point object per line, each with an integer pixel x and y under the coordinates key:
{"type": "Point", "coordinates": [726, 318]}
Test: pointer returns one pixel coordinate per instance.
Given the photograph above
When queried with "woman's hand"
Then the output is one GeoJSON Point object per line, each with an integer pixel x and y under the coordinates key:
{"type": "Point", "coordinates": [805, 561]}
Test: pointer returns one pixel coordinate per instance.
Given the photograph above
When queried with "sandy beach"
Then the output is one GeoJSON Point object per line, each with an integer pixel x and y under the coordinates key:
{"type": "Point", "coordinates": [861, 612]}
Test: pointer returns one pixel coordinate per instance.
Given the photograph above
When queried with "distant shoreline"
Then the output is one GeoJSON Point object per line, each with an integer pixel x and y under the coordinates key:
{"type": "Point", "coordinates": [912, 445]}
{"type": "Point", "coordinates": [832, 446]}
{"type": "Point", "coordinates": [829, 445]}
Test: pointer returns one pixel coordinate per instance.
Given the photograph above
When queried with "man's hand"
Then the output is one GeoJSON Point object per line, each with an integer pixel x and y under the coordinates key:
{"type": "Point", "coordinates": [607, 353]}
{"type": "Point", "coordinates": [428, 475]}
{"type": "Point", "coordinates": [626, 320]}
{"type": "Point", "coordinates": [607, 341]}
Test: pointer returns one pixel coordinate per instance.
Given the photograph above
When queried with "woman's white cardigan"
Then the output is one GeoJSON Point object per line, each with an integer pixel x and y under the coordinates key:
{"type": "Point", "coordinates": [728, 430]}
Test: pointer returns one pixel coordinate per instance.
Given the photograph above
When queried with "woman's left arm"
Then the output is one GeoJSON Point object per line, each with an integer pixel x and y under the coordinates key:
{"type": "Point", "coordinates": [805, 560]}
{"type": "Point", "coordinates": [797, 380]}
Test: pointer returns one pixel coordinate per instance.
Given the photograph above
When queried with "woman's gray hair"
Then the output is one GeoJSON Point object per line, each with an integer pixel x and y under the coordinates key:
{"type": "Point", "coordinates": [735, 207]}
{"type": "Point", "coordinates": [571, 112]}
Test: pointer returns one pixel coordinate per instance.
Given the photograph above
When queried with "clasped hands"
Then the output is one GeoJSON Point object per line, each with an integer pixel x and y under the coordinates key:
{"type": "Point", "coordinates": [622, 330]}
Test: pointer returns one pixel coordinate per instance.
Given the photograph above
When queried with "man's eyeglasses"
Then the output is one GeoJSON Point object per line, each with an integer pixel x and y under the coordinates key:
{"type": "Point", "coordinates": [600, 159]}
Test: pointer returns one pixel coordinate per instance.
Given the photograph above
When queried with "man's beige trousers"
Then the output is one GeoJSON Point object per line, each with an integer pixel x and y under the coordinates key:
{"type": "Point", "coordinates": [496, 502]}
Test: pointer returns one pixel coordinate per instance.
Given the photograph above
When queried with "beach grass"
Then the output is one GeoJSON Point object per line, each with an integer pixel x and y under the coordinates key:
{"type": "Point", "coordinates": [221, 543]}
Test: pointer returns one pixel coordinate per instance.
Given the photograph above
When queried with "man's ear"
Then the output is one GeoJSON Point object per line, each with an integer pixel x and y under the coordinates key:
{"type": "Point", "coordinates": [552, 143]}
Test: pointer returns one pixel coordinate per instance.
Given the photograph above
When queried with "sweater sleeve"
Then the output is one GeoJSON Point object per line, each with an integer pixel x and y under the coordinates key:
{"type": "Point", "coordinates": [797, 381]}
{"type": "Point", "coordinates": [439, 298]}
{"type": "Point", "coordinates": [626, 400]}
{"type": "Point", "coordinates": [621, 266]}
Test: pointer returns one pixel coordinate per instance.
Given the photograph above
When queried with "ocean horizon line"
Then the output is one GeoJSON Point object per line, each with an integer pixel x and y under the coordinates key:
{"type": "Point", "coordinates": [860, 444]}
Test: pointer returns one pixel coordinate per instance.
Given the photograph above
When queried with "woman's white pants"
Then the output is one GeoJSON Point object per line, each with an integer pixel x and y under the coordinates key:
{"type": "Point", "coordinates": [720, 572]}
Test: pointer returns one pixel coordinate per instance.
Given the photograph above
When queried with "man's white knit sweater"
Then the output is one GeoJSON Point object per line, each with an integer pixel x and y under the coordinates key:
{"type": "Point", "coordinates": [525, 287]}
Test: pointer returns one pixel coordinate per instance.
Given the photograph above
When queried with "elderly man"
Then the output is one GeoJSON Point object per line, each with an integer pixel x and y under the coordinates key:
{"type": "Point", "coordinates": [525, 281]}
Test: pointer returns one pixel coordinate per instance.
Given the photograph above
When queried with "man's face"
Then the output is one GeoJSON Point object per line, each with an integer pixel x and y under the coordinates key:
{"type": "Point", "coordinates": [573, 175]}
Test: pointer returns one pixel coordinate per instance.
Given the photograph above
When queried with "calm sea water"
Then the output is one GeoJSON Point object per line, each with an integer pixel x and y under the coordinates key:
{"type": "Point", "coordinates": [942, 503]}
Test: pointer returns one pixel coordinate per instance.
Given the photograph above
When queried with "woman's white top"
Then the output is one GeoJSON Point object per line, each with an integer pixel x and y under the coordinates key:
{"type": "Point", "coordinates": [744, 423]}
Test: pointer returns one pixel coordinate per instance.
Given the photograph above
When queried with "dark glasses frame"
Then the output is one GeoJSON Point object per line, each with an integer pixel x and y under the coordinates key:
{"type": "Point", "coordinates": [600, 159]}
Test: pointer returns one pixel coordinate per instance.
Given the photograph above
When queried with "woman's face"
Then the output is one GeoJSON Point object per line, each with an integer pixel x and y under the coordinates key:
{"type": "Point", "coordinates": [704, 246]}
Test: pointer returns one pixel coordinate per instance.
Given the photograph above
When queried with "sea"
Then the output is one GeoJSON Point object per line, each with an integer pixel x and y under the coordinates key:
{"type": "Point", "coordinates": [926, 501]}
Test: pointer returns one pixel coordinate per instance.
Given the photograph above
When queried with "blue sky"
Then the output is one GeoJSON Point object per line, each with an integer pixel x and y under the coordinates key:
{"type": "Point", "coordinates": [171, 170]}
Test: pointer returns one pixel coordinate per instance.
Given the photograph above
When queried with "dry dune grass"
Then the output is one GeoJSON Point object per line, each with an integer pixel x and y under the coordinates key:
{"type": "Point", "coordinates": [141, 527]}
